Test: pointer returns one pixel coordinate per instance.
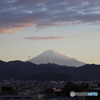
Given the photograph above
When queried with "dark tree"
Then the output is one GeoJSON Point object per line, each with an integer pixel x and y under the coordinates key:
{"type": "Point", "coordinates": [71, 87]}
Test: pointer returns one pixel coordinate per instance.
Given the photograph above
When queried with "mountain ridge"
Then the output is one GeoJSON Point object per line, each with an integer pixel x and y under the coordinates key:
{"type": "Point", "coordinates": [16, 68]}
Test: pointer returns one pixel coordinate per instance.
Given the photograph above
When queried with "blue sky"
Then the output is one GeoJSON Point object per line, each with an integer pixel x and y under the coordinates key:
{"type": "Point", "coordinates": [30, 27]}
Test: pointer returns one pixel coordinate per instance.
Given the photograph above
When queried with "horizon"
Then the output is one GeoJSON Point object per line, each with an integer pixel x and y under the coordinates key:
{"type": "Point", "coordinates": [49, 62]}
{"type": "Point", "coordinates": [70, 27]}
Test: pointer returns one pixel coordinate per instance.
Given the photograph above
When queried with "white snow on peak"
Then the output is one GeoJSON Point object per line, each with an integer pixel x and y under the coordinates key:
{"type": "Point", "coordinates": [53, 55]}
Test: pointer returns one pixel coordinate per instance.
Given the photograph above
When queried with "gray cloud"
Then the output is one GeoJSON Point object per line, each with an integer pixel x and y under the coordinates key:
{"type": "Point", "coordinates": [18, 14]}
{"type": "Point", "coordinates": [44, 38]}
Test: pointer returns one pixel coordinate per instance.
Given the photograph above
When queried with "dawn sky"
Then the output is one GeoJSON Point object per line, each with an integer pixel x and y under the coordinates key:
{"type": "Point", "coordinates": [30, 27]}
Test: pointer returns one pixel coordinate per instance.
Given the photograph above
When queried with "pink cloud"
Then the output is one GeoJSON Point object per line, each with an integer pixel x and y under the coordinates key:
{"type": "Point", "coordinates": [44, 38]}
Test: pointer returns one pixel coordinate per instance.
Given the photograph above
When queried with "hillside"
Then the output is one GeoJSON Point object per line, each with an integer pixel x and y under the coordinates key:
{"type": "Point", "coordinates": [18, 69]}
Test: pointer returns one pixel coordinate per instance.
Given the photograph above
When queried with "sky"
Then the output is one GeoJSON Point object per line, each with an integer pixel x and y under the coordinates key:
{"type": "Point", "coordinates": [30, 27]}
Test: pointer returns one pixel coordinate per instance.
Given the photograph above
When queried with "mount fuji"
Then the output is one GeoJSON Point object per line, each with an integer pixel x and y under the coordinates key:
{"type": "Point", "coordinates": [51, 56]}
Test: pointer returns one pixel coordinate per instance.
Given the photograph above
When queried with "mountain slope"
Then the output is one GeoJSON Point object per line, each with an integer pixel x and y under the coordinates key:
{"type": "Point", "coordinates": [88, 71]}
{"type": "Point", "coordinates": [49, 75]}
{"type": "Point", "coordinates": [51, 56]}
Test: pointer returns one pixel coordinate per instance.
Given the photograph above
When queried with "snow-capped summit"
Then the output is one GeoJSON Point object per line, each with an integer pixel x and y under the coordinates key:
{"type": "Point", "coordinates": [51, 56]}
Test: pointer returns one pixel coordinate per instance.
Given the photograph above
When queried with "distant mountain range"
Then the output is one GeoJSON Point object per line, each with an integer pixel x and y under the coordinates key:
{"type": "Point", "coordinates": [51, 56]}
{"type": "Point", "coordinates": [30, 71]}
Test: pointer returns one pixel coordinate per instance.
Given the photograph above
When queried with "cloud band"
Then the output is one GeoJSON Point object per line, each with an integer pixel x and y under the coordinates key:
{"type": "Point", "coordinates": [18, 14]}
{"type": "Point", "coordinates": [44, 38]}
